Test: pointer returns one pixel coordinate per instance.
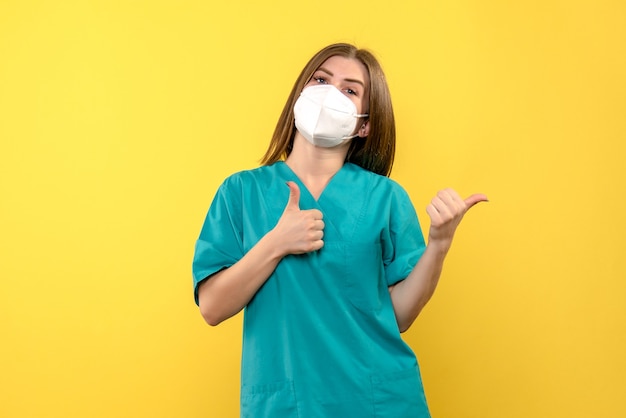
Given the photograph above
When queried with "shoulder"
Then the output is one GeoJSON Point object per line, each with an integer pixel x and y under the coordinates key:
{"type": "Point", "coordinates": [246, 178]}
{"type": "Point", "coordinates": [377, 183]}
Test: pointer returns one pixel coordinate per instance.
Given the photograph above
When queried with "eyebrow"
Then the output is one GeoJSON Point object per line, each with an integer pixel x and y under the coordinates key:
{"type": "Point", "coordinates": [352, 80]}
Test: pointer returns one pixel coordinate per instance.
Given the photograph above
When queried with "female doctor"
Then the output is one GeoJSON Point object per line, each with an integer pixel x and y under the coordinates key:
{"type": "Point", "coordinates": [325, 254]}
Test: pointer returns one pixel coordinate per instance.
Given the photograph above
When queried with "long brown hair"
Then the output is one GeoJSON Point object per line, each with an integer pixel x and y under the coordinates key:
{"type": "Point", "coordinates": [375, 152]}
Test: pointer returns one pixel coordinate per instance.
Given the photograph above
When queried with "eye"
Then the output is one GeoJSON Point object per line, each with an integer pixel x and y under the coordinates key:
{"type": "Point", "coordinates": [319, 80]}
{"type": "Point", "coordinates": [352, 92]}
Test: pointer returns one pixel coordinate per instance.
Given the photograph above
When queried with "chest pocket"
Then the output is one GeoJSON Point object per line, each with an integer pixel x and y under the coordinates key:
{"type": "Point", "coordinates": [365, 275]}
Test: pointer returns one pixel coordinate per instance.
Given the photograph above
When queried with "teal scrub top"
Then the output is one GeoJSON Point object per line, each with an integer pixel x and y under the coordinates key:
{"type": "Point", "coordinates": [320, 337]}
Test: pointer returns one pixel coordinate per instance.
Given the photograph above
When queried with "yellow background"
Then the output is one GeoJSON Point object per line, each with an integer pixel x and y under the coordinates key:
{"type": "Point", "coordinates": [118, 120]}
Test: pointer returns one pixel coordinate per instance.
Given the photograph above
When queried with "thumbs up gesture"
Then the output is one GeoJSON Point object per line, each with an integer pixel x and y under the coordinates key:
{"type": "Point", "coordinates": [446, 211]}
{"type": "Point", "coordinates": [299, 231]}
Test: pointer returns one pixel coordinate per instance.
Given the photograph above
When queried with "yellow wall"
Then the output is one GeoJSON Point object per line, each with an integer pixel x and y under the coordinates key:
{"type": "Point", "coordinates": [118, 119]}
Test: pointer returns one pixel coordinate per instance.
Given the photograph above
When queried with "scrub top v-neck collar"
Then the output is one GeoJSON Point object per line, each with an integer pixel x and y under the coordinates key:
{"type": "Point", "coordinates": [303, 188]}
{"type": "Point", "coordinates": [341, 188]}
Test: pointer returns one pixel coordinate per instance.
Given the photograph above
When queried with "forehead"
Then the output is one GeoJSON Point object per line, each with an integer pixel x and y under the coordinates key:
{"type": "Point", "coordinates": [346, 68]}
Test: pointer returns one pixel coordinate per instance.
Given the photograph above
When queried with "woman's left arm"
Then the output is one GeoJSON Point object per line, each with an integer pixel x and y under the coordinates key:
{"type": "Point", "coordinates": [410, 295]}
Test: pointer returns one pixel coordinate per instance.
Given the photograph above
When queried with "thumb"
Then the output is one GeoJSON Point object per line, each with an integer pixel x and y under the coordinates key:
{"type": "Point", "coordinates": [294, 196]}
{"type": "Point", "coordinates": [475, 198]}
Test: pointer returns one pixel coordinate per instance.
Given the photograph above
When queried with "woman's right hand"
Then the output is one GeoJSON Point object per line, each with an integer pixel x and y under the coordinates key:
{"type": "Point", "coordinates": [298, 231]}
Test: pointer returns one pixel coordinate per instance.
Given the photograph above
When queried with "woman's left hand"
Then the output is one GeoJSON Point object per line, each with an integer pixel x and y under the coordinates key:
{"type": "Point", "coordinates": [446, 211]}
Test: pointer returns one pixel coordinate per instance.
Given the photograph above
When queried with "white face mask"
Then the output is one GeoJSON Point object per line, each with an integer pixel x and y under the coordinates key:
{"type": "Point", "coordinates": [324, 116]}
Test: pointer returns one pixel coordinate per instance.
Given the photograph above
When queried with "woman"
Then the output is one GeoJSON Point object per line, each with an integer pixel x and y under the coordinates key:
{"type": "Point", "coordinates": [325, 253]}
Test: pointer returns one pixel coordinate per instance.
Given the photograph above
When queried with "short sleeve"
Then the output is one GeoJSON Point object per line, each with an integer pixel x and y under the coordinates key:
{"type": "Point", "coordinates": [219, 245]}
{"type": "Point", "coordinates": [403, 241]}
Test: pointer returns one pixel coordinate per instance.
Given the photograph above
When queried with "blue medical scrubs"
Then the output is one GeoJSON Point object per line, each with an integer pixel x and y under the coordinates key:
{"type": "Point", "coordinates": [320, 338]}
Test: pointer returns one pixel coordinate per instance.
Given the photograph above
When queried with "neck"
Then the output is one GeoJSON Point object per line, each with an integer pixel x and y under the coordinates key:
{"type": "Point", "coordinates": [316, 161]}
{"type": "Point", "coordinates": [315, 166]}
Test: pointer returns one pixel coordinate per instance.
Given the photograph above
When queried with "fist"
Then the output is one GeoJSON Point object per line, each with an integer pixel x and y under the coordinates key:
{"type": "Point", "coordinates": [299, 231]}
{"type": "Point", "coordinates": [446, 211]}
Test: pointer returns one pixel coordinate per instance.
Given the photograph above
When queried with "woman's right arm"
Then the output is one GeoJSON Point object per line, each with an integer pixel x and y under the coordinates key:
{"type": "Point", "coordinates": [228, 291]}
